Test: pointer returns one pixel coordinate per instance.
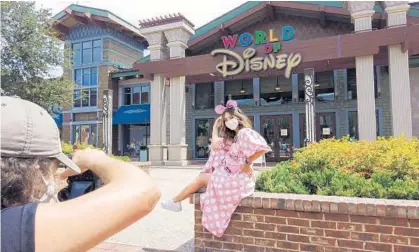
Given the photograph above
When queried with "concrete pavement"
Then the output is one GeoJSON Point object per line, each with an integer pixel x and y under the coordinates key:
{"type": "Point", "coordinates": [161, 230]}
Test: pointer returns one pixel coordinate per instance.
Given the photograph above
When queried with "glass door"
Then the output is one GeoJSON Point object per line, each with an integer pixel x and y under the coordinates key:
{"type": "Point", "coordinates": [277, 130]}
{"type": "Point", "coordinates": [325, 126]}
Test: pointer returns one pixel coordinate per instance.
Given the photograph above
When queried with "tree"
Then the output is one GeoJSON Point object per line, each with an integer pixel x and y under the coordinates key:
{"type": "Point", "coordinates": [29, 50]}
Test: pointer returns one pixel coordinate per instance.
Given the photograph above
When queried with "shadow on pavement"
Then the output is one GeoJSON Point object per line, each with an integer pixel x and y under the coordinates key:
{"type": "Point", "coordinates": [186, 247]}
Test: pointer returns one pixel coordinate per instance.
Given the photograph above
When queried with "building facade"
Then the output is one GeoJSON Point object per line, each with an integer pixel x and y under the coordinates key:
{"type": "Point", "coordinates": [100, 43]}
{"type": "Point", "coordinates": [165, 102]}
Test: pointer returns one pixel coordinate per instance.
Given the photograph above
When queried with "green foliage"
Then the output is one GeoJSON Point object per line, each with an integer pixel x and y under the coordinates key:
{"type": "Point", "coordinates": [385, 168]}
{"type": "Point", "coordinates": [30, 50]}
{"type": "Point", "coordinates": [68, 149]}
{"type": "Point", "coordinates": [122, 158]}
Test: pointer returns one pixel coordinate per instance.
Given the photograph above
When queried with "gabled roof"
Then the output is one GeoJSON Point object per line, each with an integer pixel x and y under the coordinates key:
{"type": "Point", "coordinates": [75, 14]}
{"type": "Point", "coordinates": [249, 8]}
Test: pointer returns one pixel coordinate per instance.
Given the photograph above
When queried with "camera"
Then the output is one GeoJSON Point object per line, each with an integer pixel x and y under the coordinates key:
{"type": "Point", "coordinates": [79, 185]}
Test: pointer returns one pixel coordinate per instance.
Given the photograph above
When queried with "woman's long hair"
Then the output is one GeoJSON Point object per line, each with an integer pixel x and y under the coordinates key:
{"type": "Point", "coordinates": [244, 122]}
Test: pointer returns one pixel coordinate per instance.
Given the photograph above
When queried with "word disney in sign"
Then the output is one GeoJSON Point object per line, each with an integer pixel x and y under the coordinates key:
{"type": "Point", "coordinates": [234, 63]}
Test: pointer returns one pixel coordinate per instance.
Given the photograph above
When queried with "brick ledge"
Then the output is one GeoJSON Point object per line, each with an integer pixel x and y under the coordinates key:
{"type": "Point", "coordinates": [403, 209]}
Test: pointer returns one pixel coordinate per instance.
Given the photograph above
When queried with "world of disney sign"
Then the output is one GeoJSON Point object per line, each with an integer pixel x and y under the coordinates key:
{"type": "Point", "coordinates": [234, 63]}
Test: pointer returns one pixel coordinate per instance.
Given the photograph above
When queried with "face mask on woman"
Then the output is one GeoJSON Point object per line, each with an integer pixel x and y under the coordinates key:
{"type": "Point", "coordinates": [49, 193]}
{"type": "Point", "coordinates": [232, 123]}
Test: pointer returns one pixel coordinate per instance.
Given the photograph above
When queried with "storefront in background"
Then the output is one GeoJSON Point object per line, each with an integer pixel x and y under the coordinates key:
{"type": "Point", "coordinates": [133, 120]}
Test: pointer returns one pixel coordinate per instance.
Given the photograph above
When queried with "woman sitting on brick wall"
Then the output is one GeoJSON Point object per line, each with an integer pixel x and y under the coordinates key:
{"type": "Point", "coordinates": [232, 177]}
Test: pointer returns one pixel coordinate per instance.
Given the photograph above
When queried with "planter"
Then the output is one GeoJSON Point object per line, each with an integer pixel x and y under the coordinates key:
{"type": "Point", "coordinates": [289, 222]}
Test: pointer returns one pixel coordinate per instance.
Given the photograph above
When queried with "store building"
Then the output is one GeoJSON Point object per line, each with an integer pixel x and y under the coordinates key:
{"type": "Point", "coordinates": [101, 43]}
{"type": "Point", "coordinates": [362, 56]}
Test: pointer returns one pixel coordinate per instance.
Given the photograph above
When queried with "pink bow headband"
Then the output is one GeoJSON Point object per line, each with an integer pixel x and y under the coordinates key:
{"type": "Point", "coordinates": [230, 105]}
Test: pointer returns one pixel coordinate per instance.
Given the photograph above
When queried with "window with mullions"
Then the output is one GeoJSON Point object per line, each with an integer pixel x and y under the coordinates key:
{"type": "Point", "coordinates": [85, 134]}
{"type": "Point", "coordinates": [85, 92]}
{"type": "Point", "coordinates": [137, 95]}
{"type": "Point", "coordinates": [353, 124]}
{"type": "Point", "coordinates": [240, 91]}
{"type": "Point", "coordinates": [204, 96]}
{"type": "Point", "coordinates": [275, 90]}
{"type": "Point", "coordinates": [87, 52]}
{"type": "Point", "coordinates": [324, 86]}
{"type": "Point", "coordinates": [351, 83]}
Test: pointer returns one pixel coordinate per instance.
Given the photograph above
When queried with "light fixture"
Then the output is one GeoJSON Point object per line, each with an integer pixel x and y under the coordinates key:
{"type": "Point", "coordinates": [242, 91]}
{"type": "Point", "coordinates": [277, 87]}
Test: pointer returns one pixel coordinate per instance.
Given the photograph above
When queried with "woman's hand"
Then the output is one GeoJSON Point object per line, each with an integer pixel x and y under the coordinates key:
{"type": "Point", "coordinates": [246, 168]}
{"type": "Point", "coordinates": [217, 124]}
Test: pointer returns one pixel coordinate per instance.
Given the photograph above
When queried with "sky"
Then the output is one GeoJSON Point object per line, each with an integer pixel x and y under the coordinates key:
{"type": "Point", "coordinates": [198, 12]}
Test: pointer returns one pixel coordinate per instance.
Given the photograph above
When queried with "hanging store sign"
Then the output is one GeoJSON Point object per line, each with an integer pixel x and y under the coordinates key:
{"type": "Point", "coordinates": [234, 63]}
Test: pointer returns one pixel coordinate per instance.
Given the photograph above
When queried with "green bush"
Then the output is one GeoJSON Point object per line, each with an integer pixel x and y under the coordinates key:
{"type": "Point", "coordinates": [68, 149]}
{"type": "Point", "coordinates": [122, 158]}
{"type": "Point", "coordinates": [386, 168]}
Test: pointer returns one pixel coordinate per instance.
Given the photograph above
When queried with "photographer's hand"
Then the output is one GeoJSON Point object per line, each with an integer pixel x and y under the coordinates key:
{"type": "Point", "coordinates": [128, 195]}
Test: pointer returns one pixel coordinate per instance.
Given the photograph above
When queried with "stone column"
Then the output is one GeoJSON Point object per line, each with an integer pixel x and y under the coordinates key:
{"type": "Point", "coordinates": [361, 14]}
{"type": "Point", "coordinates": [157, 147]}
{"type": "Point", "coordinates": [177, 149]}
{"type": "Point", "coordinates": [398, 58]}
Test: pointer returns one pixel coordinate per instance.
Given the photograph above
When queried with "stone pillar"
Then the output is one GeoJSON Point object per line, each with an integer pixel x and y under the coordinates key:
{"type": "Point", "coordinates": [398, 58]}
{"type": "Point", "coordinates": [157, 147]}
{"type": "Point", "coordinates": [107, 121]}
{"type": "Point", "coordinates": [310, 100]}
{"type": "Point", "coordinates": [361, 14]}
{"type": "Point", "coordinates": [177, 149]}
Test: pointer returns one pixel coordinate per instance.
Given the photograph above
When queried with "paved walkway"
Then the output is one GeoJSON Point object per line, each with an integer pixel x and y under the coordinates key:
{"type": "Point", "coordinates": [161, 231]}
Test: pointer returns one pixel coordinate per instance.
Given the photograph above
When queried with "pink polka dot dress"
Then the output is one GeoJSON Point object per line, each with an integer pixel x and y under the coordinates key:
{"type": "Point", "coordinates": [228, 186]}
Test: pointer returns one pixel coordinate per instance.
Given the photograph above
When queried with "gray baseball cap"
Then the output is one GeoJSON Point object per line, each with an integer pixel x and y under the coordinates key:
{"type": "Point", "coordinates": [29, 131]}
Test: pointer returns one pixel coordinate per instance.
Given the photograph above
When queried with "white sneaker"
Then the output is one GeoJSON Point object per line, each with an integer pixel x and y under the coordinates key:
{"type": "Point", "coordinates": [171, 206]}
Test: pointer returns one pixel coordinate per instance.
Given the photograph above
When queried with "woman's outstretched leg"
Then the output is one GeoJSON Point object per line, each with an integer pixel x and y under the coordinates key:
{"type": "Point", "coordinates": [174, 204]}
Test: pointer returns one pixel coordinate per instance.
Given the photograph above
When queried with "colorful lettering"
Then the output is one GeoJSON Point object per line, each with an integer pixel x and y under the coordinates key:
{"type": "Point", "coordinates": [277, 46]}
{"type": "Point", "coordinates": [287, 33]}
{"type": "Point", "coordinates": [271, 36]}
{"type": "Point", "coordinates": [268, 48]}
{"type": "Point", "coordinates": [229, 41]}
{"type": "Point", "coordinates": [260, 37]}
{"type": "Point", "coordinates": [245, 39]}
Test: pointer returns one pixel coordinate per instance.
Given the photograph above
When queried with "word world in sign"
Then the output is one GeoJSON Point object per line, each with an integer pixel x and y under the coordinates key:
{"type": "Point", "coordinates": [234, 63]}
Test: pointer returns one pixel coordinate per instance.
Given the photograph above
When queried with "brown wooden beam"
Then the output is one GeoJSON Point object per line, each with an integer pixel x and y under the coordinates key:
{"type": "Point", "coordinates": [81, 20]}
{"type": "Point", "coordinates": [61, 28]}
{"type": "Point", "coordinates": [271, 12]}
{"type": "Point", "coordinates": [313, 50]}
{"type": "Point", "coordinates": [322, 19]}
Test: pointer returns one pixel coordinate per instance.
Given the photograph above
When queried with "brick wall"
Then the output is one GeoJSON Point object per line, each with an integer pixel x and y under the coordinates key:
{"type": "Point", "coordinates": [92, 116]}
{"type": "Point", "coordinates": [65, 133]}
{"type": "Point", "coordinates": [284, 222]}
{"type": "Point", "coordinates": [414, 93]}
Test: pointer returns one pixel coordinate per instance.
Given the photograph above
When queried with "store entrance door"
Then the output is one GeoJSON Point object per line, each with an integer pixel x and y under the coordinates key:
{"type": "Point", "coordinates": [325, 126]}
{"type": "Point", "coordinates": [277, 130]}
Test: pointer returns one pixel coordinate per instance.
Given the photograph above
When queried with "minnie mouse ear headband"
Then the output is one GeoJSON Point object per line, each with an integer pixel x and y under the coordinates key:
{"type": "Point", "coordinates": [230, 105]}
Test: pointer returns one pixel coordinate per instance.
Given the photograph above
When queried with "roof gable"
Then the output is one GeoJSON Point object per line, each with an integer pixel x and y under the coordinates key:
{"type": "Point", "coordinates": [99, 14]}
{"type": "Point", "coordinates": [246, 7]}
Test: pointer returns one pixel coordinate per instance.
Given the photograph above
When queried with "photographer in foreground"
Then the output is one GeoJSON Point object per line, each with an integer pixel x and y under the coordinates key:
{"type": "Point", "coordinates": [30, 155]}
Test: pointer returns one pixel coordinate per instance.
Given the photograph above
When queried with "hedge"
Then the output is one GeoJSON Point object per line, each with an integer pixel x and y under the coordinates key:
{"type": "Point", "coordinates": [385, 168]}
{"type": "Point", "coordinates": [68, 149]}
